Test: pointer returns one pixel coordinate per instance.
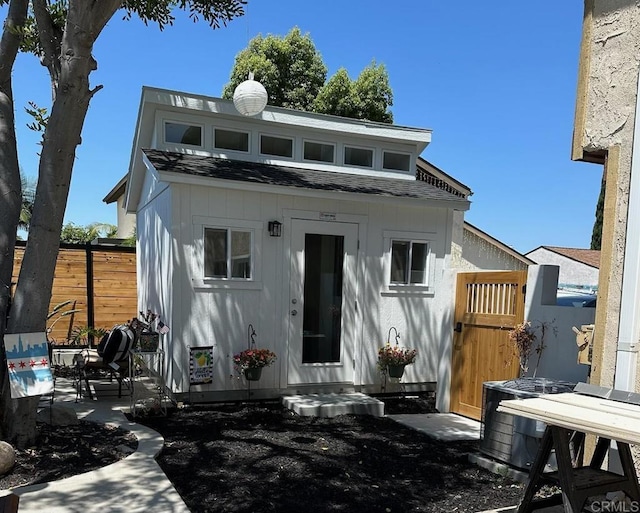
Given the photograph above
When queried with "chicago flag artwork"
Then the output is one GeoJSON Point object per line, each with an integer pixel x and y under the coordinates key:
{"type": "Point", "coordinates": [29, 366]}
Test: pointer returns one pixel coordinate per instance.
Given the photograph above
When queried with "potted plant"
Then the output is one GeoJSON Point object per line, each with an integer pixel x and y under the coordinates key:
{"type": "Point", "coordinates": [250, 362]}
{"type": "Point", "coordinates": [149, 326]}
{"type": "Point", "coordinates": [523, 336]}
{"type": "Point", "coordinates": [392, 359]}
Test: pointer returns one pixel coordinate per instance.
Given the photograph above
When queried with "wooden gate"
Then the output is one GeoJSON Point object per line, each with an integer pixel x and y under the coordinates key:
{"type": "Point", "coordinates": [488, 305]}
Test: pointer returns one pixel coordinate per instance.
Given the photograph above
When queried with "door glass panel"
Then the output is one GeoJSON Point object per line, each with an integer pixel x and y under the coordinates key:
{"type": "Point", "coordinates": [322, 322]}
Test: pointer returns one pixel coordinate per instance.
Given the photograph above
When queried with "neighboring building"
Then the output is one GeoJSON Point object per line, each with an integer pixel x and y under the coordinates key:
{"type": "Point", "coordinates": [606, 132]}
{"type": "Point", "coordinates": [364, 245]}
{"type": "Point", "coordinates": [126, 222]}
{"type": "Point", "coordinates": [579, 268]}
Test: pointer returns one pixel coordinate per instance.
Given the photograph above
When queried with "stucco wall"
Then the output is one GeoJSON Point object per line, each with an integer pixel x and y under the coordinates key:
{"type": "Point", "coordinates": [558, 359]}
{"type": "Point", "coordinates": [126, 222]}
{"type": "Point", "coordinates": [605, 113]}
{"type": "Point", "coordinates": [572, 272]}
{"type": "Point", "coordinates": [478, 254]}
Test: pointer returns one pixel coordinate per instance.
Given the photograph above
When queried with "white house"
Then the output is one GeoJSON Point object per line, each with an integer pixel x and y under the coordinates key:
{"type": "Point", "coordinates": [363, 246]}
{"type": "Point", "coordinates": [579, 268]}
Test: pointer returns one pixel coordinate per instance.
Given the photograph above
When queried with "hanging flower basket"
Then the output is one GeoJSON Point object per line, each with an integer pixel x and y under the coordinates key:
{"type": "Point", "coordinates": [250, 362]}
{"type": "Point", "coordinates": [395, 356]}
{"type": "Point", "coordinates": [253, 374]}
{"type": "Point", "coordinates": [395, 371]}
{"type": "Point", "coordinates": [392, 359]}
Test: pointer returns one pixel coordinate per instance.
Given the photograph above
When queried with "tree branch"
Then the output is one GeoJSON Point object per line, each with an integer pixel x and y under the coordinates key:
{"type": "Point", "coordinates": [96, 13]}
{"type": "Point", "coordinates": [50, 37]}
{"type": "Point", "coordinates": [11, 38]}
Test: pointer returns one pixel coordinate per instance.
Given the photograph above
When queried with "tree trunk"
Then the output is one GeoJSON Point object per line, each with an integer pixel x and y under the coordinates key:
{"type": "Point", "coordinates": [31, 301]}
{"type": "Point", "coordinates": [10, 191]}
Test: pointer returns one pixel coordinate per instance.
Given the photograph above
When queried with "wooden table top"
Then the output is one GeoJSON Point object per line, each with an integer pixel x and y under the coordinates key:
{"type": "Point", "coordinates": [601, 417]}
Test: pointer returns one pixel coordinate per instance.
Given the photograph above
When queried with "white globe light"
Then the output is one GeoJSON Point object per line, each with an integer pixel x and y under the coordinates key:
{"type": "Point", "coordinates": [250, 97]}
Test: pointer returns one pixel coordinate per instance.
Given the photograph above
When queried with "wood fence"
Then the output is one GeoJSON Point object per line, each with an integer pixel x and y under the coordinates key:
{"type": "Point", "coordinates": [98, 280]}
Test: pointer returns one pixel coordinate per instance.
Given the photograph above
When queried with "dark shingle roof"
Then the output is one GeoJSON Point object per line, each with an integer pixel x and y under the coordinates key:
{"type": "Point", "coordinates": [266, 174]}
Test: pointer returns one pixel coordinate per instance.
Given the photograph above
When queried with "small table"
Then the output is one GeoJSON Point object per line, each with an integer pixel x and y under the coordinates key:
{"type": "Point", "coordinates": [147, 365]}
{"type": "Point", "coordinates": [568, 414]}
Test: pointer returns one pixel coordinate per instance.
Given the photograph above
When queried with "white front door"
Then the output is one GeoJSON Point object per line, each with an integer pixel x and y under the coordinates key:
{"type": "Point", "coordinates": [322, 302]}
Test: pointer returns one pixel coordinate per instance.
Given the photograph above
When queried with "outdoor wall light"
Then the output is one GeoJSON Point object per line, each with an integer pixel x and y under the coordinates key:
{"type": "Point", "coordinates": [275, 228]}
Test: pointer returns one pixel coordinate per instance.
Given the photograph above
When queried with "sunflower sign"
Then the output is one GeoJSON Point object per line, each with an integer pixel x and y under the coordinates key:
{"type": "Point", "coordinates": [200, 365]}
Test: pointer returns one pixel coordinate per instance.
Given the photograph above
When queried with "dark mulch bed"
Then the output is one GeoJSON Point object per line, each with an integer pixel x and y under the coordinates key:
{"type": "Point", "coordinates": [65, 451]}
{"type": "Point", "coordinates": [261, 458]}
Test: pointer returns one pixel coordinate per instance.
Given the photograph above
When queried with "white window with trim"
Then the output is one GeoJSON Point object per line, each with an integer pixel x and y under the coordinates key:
{"type": "Point", "coordinates": [235, 140]}
{"type": "Point", "coordinates": [225, 252]}
{"type": "Point", "coordinates": [183, 133]}
{"type": "Point", "coordinates": [319, 151]}
{"type": "Point", "coordinates": [276, 146]}
{"type": "Point", "coordinates": [395, 161]}
{"type": "Point", "coordinates": [360, 157]}
{"type": "Point", "coordinates": [410, 261]}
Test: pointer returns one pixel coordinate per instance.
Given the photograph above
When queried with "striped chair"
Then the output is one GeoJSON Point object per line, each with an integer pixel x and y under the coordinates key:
{"type": "Point", "coordinates": [112, 355]}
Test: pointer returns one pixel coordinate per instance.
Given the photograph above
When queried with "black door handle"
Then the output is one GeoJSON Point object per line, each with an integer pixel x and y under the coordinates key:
{"type": "Point", "coordinates": [458, 328]}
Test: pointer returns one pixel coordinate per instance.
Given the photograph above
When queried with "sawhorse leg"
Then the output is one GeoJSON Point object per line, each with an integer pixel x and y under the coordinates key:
{"type": "Point", "coordinates": [536, 473]}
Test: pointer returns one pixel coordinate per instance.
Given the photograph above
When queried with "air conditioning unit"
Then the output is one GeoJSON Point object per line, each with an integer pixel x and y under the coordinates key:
{"type": "Point", "coordinates": [509, 438]}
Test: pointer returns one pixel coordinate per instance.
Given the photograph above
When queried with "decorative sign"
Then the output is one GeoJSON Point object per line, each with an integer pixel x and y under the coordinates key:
{"type": "Point", "coordinates": [29, 366]}
{"type": "Point", "coordinates": [200, 365]}
{"type": "Point", "coordinates": [327, 216]}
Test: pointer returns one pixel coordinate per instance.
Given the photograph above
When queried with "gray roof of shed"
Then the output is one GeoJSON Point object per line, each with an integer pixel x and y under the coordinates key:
{"type": "Point", "coordinates": [266, 174]}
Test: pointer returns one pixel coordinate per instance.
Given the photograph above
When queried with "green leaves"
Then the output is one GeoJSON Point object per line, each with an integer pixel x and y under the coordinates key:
{"type": "Point", "coordinates": [215, 12]}
{"type": "Point", "coordinates": [82, 234]}
{"type": "Point", "coordinates": [290, 68]}
{"type": "Point", "coordinates": [40, 117]}
{"type": "Point", "coordinates": [293, 73]}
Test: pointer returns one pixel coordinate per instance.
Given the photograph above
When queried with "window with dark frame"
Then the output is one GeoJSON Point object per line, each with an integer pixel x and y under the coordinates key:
{"type": "Point", "coordinates": [227, 253]}
{"type": "Point", "coordinates": [409, 262]}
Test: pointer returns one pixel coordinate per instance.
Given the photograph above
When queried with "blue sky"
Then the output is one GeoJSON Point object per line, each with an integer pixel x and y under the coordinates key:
{"type": "Point", "coordinates": [495, 81]}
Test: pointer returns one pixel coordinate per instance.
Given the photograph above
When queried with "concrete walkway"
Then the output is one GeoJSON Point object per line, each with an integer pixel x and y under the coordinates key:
{"type": "Point", "coordinates": [134, 484]}
{"type": "Point", "coordinates": [447, 427]}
